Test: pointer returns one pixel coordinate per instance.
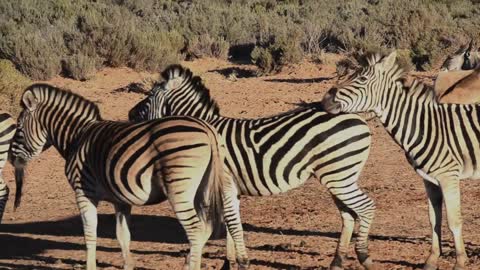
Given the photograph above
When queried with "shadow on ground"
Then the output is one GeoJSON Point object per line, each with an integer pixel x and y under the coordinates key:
{"type": "Point", "coordinates": [309, 80]}
{"type": "Point", "coordinates": [149, 228]}
{"type": "Point", "coordinates": [239, 73]}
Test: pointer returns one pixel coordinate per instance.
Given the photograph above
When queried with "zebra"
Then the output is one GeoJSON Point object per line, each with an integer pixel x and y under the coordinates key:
{"type": "Point", "coordinates": [176, 159]}
{"type": "Point", "coordinates": [440, 140]}
{"type": "Point", "coordinates": [7, 130]}
{"type": "Point", "coordinates": [462, 59]}
{"type": "Point", "coordinates": [275, 154]}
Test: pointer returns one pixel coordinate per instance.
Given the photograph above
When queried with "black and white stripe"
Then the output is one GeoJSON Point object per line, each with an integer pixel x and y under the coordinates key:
{"type": "Point", "coordinates": [7, 130]}
{"type": "Point", "coordinates": [441, 141]}
{"type": "Point", "coordinates": [272, 155]}
{"type": "Point", "coordinates": [176, 159]}
{"type": "Point", "coordinates": [464, 58]}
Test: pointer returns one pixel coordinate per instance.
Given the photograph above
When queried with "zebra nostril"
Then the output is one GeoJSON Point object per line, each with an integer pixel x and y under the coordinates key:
{"type": "Point", "coordinates": [333, 91]}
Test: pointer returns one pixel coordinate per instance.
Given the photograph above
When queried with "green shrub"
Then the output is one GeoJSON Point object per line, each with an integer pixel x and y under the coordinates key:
{"type": "Point", "coordinates": [262, 57]}
{"type": "Point", "coordinates": [42, 37]}
{"type": "Point", "coordinates": [12, 85]}
{"type": "Point", "coordinates": [79, 67]}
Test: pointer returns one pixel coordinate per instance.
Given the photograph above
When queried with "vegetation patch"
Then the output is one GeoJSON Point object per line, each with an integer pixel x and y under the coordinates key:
{"type": "Point", "coordinates": [76, 38]}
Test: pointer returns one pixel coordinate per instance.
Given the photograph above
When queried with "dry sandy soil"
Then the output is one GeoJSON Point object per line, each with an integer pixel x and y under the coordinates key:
{"type": "Point", "coordinates": [295, 230]}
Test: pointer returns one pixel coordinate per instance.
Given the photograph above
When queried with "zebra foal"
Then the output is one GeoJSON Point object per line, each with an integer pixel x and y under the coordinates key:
{"type": "Point", "coordinates": [441, 141]}
{"type": "Point", "coordinates": [176, 159]}
{"type": "Point", "coordinates": [7, 130]}
{"type": "Point", "coordinates": [275, 154]}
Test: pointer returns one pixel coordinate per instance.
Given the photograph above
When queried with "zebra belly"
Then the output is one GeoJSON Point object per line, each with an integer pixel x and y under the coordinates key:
{"type": "Point", "coordinates": [252, 184]}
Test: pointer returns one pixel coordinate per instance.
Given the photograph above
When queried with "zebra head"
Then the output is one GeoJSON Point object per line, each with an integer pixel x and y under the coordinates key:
{"type": "Point", "coordinates": [150, 107]}
{"type": "Point", "coordinates": [180, 94]}
{"type": "Point", "coordinates": [31, 136]}
{"type": "Point", "coordinates": [363, 90]}
{"type": "Point", "coordinates": [463, 59]}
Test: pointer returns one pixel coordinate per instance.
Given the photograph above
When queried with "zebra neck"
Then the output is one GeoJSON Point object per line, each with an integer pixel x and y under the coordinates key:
{"type": "Point", "coordinates": [202, 114]}
{"type": "Point", "coordinates": [408, 115]}
{"type": "Point", "coordinates": [64, 133]}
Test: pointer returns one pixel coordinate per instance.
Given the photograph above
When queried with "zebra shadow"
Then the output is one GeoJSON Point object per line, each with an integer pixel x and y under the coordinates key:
{"type": "Point", "coordinates": [297, 81]}
{"type": "Point", "coordinates": [144, 228]}
{"type": "Point", "coordinates": [332, 235]}
{"type": "Point", "coordinates": [162, 229]}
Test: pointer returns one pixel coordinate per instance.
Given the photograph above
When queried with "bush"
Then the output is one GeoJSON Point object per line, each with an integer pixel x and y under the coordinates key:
{"type": "Point", "coordinates": [12, 85]}
{"type": "Point", "coordinates": [79, 67]}
{"type": "Point", "coordinates": [42, 37]}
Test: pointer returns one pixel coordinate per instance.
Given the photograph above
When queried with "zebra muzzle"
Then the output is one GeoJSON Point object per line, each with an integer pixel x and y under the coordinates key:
{"type": "Point", "coordinates": [19, 176]}
{"type": "Point", "coordinates": [329, 103]}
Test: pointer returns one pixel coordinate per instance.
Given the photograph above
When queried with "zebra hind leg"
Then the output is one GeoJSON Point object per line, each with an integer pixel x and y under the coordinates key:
{"type": "Point", "coordinates": [348, 225]}
{"type": "Point", "coordinates": [236, 249]}
{"type": "Point", "coordinates": [4, 191]}
{"type": "Point", "coordinates": [361, 206]}
{"type": "Point", "coordinates": [122, 216]}
{"type": "Point", "coordinates": [197, 237]}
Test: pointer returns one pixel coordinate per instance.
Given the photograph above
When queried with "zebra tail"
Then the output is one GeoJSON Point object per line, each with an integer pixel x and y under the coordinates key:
{"type": "Point", "coordinates": [19, 176]}
{"type": "Point", "coordinates": [208, 201]}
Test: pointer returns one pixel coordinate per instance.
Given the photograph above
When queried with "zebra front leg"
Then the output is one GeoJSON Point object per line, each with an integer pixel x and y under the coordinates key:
{"type": "Point", "coordinates": [122, 215]}
{"type": "Point", "coordinates": [236, 249]}
{"type": "Point", "coordinates": [4, 191]}
{"type": "Point", "coordinates": [88, 212]}
{"type": "Point", "coordinates": [451, 193]}
{"type": "Point", "coordinates": [348, 225]}
{"type": "Point", "coordinates": [435, 199]}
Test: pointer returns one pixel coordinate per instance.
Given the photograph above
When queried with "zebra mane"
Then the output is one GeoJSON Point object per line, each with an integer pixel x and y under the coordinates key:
{"type": "Point", "coordinates": [42, 91]}
{"type": "Point", "coordinates": [181, 78]}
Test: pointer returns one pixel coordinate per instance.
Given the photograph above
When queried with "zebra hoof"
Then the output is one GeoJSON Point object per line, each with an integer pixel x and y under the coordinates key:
{"type": "Point", "coordinates": [228, 265]}
{"type": "Point", "coordinates": [368, 264]}
{"type": "Point", "coordinates": [429, 267]}
{"type": "Point", "coordinates": [243, 264]}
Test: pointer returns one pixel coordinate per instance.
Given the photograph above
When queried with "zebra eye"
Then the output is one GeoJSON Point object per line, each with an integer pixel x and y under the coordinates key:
{"type": "Point", "coordinates": [362, 79]}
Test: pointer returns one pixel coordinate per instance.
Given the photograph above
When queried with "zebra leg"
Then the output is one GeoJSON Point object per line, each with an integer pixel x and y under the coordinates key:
{"type": "Point", "coordinates": [236, 249]}
{"type": "Point", "coordinates": [122, 215]}
{"type": "Point", "coordinates": [451, 193]}
{"type": "Point", "coordinates": [348, 225]}
{"type": "Point", "coordinates": [88, 212]}
{"type": "Point", "coordinates": [197, 238]}
{"type": "Point", "coordinates": [364, 208]}
{"type": "Point", "coordinates": [435, 199]}
{"type": "Point", "coordinates": [197, 231]}
{"type": "Point", "coordinates": [231, 254]}
{"type": "Point", "coordinates": [4, 191]}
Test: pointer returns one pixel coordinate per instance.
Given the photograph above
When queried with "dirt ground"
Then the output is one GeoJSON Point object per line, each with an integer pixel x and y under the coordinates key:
{"type": "Point", "coordinates": [295, 230]}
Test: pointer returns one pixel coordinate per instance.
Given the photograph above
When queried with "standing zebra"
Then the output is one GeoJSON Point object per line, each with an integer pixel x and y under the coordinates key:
{"type": "Point", "coordinates": [462, 59]}
{"type": "Point", "coordinates": [128, 164]}
{"type": "Point", "coordinates": [275, 154]}
{"type": "Point", "coordinates": [441, 141]}
{"type": "Point", "coordinates": [7, 130]}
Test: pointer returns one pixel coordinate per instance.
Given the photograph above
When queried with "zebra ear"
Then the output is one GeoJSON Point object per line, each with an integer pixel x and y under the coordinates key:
{"type": "Point", "coordinates": [470, 46]}
{"type": "Point", "coordinates": [29, 100]}
{"type": "Point", "coordinates": [389, 61]}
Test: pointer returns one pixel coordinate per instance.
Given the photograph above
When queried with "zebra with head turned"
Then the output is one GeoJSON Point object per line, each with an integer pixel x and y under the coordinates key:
{"type": "Point", "coordinates": [463, 59]}
{"type": "Point", "coordinates": [275, 154]}
{"type": "Point", "coordinates": [7, 130]}
{"type": "Point", "coordinates": [175, 159]}
{"type": "Point", "coordinates": [441, 141]}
